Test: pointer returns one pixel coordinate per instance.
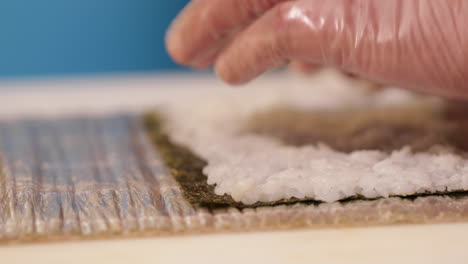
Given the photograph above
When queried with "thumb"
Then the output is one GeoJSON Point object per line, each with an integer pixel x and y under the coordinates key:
{"type": "Point", "coordinates": [418, 44]}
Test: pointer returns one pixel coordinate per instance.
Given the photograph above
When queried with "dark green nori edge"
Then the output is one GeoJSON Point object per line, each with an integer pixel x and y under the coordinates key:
{"type": "Point", "coordinates": [187, 169]}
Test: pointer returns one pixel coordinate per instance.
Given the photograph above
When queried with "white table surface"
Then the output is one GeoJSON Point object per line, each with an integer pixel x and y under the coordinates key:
{"type": "Point", "coordinates": [447, 243]}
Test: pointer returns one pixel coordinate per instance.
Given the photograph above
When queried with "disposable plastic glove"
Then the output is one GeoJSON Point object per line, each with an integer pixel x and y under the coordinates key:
{"type": "Point", "coordinates": [415, 44]}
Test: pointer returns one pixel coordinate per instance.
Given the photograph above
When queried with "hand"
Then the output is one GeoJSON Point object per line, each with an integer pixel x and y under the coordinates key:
{"type": "Point", "coordinates": [415, 44]}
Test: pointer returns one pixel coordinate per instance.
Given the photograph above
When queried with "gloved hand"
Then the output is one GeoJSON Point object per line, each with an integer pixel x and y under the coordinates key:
{"type": "Point", "coordinates": [416, 44]}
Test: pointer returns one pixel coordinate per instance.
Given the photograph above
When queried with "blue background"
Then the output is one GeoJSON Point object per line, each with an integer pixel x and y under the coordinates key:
{"type": "Point", "coordinates": [69, 37]}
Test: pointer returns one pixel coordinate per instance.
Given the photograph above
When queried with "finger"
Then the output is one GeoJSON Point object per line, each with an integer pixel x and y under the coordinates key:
{"type": "Point", "coordinates": [206, 59]}
{"type": "Point", "coordinates": [264, 45]}
{"type": "Point", "coordinates": [202, 28]}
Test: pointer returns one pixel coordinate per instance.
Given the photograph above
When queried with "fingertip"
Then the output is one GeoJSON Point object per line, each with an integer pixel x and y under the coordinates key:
{"type": "Point", "coordinates": [228, 75]}
{"type": "Point", "coordinates": [258, 49]}
{"type": "Point", "coordinates": [176, 45]}
{"type": "Point", "coordinates": [182, 37]}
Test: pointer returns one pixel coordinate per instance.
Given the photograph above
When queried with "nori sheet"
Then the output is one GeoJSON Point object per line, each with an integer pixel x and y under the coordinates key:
{"type": "Point", "coordinates": [187, 168]}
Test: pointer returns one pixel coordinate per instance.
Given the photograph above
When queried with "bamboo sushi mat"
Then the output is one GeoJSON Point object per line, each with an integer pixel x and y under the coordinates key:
{"type": "Point", "coordinates": [93, 177]}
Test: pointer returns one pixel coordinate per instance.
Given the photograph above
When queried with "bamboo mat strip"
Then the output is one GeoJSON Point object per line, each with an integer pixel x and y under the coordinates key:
{"type": "Point", "coordinates": [92, 177]}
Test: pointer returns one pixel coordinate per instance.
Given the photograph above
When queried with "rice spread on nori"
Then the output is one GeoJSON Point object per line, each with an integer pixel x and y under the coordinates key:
{"type": "Point", "coordinates": [416, 125]}
{"type": "Point", "coordinates": [187, 169]}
